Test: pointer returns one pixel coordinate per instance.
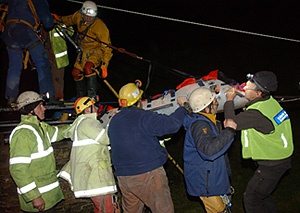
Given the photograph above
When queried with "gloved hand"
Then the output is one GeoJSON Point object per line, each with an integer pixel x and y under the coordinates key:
{"type": "Point", "coordinates": [55, 16]}
{"type": "Point", "coordinates": [103, 71]}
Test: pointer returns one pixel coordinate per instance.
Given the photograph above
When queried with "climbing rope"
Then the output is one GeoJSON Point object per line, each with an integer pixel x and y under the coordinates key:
{"type": "Point", "coordinates": [194, 23]}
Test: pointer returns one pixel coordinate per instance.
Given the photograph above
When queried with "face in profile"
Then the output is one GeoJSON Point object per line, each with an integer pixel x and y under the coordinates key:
{"type": "Point", "coordinates": [39, 110]}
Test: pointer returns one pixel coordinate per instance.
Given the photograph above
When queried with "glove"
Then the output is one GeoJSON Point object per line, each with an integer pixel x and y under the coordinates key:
{"type": "Point", "coordinates": [55, 16]}
{"type": "Point", "coordinates": [104, 71]}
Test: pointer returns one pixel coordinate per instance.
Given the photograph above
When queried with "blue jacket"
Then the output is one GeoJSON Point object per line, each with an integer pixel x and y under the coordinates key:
{"type": "Point", "coordinates": [134, 133]}
{"type": "Point", "coordinates": [205, 169]}
{"type": "Point", "coordinates": [19, 35]}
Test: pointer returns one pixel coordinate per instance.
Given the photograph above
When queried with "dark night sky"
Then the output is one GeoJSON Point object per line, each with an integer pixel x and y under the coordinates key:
{"type": "Point", "coordinates": [193, 48]}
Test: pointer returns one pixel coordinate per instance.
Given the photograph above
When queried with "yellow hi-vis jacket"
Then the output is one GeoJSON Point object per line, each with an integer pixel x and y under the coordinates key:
{"type": "Point", "coordinates": [89, 170]}
{"type": "Point", "coordinates": [32, 163]}
{"type": "Point", "coordinates": [59, 48]}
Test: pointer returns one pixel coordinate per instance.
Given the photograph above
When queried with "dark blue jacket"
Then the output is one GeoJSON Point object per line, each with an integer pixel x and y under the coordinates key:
{"type": "Point", "coordinates": [134, 133]}
{"type": "Point", "coordinates": [205, 169]}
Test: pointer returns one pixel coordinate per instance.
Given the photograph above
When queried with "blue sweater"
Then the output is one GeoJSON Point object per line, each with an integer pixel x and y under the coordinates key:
{"type": "Point", "coordinates": [134, 133]}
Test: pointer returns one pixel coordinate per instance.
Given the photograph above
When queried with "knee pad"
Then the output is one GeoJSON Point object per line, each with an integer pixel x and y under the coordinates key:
{"type": "Point", "coordinates": [77, 74]}
{"type": "Point", "coordinates": [88, 68]}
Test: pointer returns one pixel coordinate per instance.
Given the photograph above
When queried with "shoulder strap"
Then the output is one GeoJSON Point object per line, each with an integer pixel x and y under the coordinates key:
{"type": "Point", "coordinates": [36, 18]}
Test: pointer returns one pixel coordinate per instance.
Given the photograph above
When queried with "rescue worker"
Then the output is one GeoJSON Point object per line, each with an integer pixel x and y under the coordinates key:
{"type": "Point", "coordinates": [137, 155]}
{"type": "Point", "coordinates": [32, 163]}
{"type": "Point", "coordinates": [266, 139]}
{"type": "Point", "coordinates": [206, 164]}
{"type": "Point", "coordinates": [92, 38]}
{"type": "Point", "coordinates": [21, 34]}
{"type": "Point", "coordinates": [89, 170]}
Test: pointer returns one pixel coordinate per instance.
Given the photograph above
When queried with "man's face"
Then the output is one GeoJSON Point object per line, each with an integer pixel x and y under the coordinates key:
{"type": "Point", "coordinates": [251, 91]}
{"type": "Point", "coordinates": [39, 110]}
{"type": "Point", "coordinates": [214, 107]}
{"type": "Point", "coordinates": [88, 19]}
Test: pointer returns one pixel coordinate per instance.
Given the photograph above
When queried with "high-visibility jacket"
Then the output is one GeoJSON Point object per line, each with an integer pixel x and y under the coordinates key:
{"type": "Point", "coordinates": [89, 170]}
{"type": "Point", "coordinates": [32, 163]}
{"type": "Point", "coordinates": [59, 47]}
{"type": "Point", "coordinates": [278, 144]}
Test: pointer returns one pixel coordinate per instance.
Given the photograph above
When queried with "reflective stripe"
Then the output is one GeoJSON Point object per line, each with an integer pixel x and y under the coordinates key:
{"type": "Point", "coordinates": [88, 193]}
{"type": "Point", "coordinates": [26, 188]}
{"type": "Point", "coordinates": [66, 176]}
{"type": "Point", "coordinates": [54, 137]}
{"type": "Point", "coordinates": [246, 138]}
{"type": "Point", "coordinates": [285, 143]}
{"type": "Point", "coordinates": [59, 55]}
{"type": "Point", "coordinates": [84, 142]}
{"type": "Point", "coordinates": [42, 154]}
{"type": "Point", "coordinates": [58, 34]}
{"type": "Point", "coordinates": [17, 160]}
{"type": "Point", "coordinates": [48, 187]}
{"type": "Point", "coordinates": [38, 137]}
{"type": "Point", "coordinates": [43, 189]}
{"type": "Point", "coordinates": [100, 135]}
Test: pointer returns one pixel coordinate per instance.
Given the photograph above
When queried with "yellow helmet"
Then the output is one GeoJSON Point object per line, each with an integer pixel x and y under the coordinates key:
{"type": "Point", "coordinates": [201, 98]}
{"type": "Point", "coordinates": [82, 103]}
{"type": "Point", "coordinates": [129, 94]}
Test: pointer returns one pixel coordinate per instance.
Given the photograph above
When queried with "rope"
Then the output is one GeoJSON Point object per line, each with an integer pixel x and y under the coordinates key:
{"type": "Point", "coordinates": [194, 23]}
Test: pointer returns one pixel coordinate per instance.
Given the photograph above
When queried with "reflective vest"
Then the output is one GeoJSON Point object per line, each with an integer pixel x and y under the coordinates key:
{"type": "Point", "coordinates": [59, 48]}
{"type": "Point", "coordinates": [276, 145]}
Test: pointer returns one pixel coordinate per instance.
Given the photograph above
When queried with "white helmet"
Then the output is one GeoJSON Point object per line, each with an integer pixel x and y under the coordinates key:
{"type": "Point", "coordinates": [201, 98]}
{"type": "Point", "coordinates": [89, 8]}
{"type": "Point", "coordinates": [27, 98]}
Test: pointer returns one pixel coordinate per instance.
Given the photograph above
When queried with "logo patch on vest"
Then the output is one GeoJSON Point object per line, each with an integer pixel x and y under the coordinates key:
{"type": "Point", "coordinates": [281, 116]}
{"type": "Point", "coordinates": [204, 130]}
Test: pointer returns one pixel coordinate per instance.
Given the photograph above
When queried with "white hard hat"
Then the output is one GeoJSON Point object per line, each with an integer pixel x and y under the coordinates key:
{"type": "Point", "coordinates": [201, 98]}
{"type": "Point", "coordinates": [89, 8]}
{"type": "Point", "coordinates": [27, 98]}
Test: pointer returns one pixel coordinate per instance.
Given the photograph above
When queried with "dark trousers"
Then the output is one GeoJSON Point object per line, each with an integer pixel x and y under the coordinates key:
{"type": "Point", "coordinates": [257, 197]}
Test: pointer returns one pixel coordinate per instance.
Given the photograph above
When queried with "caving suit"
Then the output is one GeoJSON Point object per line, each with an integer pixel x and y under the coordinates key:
{"type": "Point", "coordinates": [206, 166]}
{"type": "Point", "coordinates": [89, 170]}
{"type": "Point", "coordinates": [94, 52]}
{"type": "Point", "coordinates": [32, 163]}
{"type": "Point", "coordinates": [19, 35]}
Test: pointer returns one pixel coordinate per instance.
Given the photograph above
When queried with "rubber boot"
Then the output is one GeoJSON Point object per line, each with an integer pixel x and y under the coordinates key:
{"type": "Point", "coordinates": [92, 85]}
{"type": "Point", "coordinates": [80, 88]}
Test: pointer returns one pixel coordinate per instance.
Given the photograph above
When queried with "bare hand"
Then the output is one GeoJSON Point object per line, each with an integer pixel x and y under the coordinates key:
{"type": "Point", "coordinates": [181, 100]}
{"type": "Point", "coordinates": [38, 203]}
{"type": "Point", "coordinates": [230, 94]}
{"type": "Point", "coordinates": [230, 123]}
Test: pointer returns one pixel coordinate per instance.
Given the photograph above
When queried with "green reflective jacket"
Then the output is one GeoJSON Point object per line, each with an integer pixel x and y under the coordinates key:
{"type": "Point", "coordinates": [59, 48]}
{"type": "Point", "coordinates": [32, 163]}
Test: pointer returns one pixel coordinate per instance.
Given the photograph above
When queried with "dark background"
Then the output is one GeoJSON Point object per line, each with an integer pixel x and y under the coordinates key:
{"type": "Point", "coordinates": [191, 47]}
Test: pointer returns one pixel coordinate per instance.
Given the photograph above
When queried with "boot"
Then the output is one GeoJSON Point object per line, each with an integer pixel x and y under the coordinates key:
{"type": "Point", "coordinates": [92, 86]}
{"type": "Point", "coordinates": [80, 88]}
